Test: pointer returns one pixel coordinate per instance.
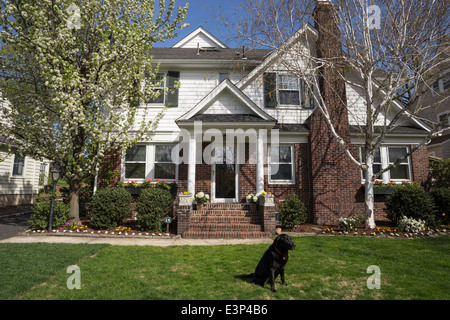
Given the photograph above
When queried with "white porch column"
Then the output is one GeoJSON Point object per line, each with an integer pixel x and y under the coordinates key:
{"type": "Point", "coordinates": [260, 161]}
{"type": "Point", "coordinates": [192, 162]}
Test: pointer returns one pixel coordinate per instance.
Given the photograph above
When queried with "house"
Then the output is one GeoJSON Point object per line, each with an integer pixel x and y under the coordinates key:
{"type": "Point", "coordinates": [241, 124]}
{"type": "Point", "coordinates": [20, 178]}
{"type": "Point", "coordinates": [437, 112]}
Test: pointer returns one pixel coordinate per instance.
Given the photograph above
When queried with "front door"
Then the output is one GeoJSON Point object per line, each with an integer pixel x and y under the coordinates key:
{"type": "Point", "coordinates": [225, 175]}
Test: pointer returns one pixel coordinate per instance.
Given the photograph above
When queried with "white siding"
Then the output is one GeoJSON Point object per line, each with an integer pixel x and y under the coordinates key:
{"type": "Point", "coordinates": [226, 103]}
{"type": "Point", "coordinates": [195, 84]}
{"type": "Point", "coordinates": [28, 183]}
{"type": "Point", "coordinates": [201, 40]}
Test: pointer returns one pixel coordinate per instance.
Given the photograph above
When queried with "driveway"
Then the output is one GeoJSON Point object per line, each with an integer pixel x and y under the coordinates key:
{"type": "Point", "coordinates": [14, 221]}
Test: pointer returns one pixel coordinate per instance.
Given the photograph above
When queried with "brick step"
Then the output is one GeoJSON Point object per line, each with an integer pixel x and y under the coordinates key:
{"type": "Point", "coordinates": [225, 219]}
{"type": "Point", "coordinates": [225, 227]}
{"type": "Point", "coordinates": [226, 234]}
{"type": "Point", "coordinates": [225, 206]}
{"type": "Point", "coordinates": [219, 212]}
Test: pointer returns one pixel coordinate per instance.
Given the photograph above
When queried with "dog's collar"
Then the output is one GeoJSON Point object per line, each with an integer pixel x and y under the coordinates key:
{"type": "Point", "coordinates": [276, 249]}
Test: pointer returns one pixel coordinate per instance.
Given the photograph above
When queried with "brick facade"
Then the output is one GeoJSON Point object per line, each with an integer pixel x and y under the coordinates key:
{"type": "Point", "coordinates": [335, 179]}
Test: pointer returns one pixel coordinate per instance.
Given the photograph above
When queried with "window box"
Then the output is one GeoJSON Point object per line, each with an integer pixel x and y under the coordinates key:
{"type": "Point", "coordinates": [384, 190]}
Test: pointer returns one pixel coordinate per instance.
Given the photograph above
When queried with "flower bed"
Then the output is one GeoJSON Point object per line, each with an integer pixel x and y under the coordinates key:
{"type": "Point", "coordinates": [126, 230]}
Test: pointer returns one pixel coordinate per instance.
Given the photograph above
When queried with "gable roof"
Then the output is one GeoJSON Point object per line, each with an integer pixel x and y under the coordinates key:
{"type": "Point", "coordinates": [199, 34]}
{"type": "Point", "coordinates": [306, 29]}
{"type": "Point", "coordinates": [227, 86]}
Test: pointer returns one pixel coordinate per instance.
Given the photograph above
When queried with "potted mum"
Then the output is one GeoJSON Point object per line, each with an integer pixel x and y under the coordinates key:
{"type": "Point", "coordinates": [200, 199]}
{"type": "Point", "coordinates": [252, 200]}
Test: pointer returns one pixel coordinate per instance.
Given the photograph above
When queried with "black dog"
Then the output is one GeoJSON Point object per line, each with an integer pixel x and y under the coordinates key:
{"type": "Point", "coordinates": [273, 261]}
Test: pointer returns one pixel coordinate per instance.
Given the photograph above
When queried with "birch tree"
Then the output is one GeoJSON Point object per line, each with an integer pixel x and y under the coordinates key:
{"type": "Point", "coordinates": [73, 74]}
{"type": "Point", "coordinates": [392, 52]}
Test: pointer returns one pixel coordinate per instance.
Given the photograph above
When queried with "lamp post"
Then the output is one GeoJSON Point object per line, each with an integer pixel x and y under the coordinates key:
{"type": "Point", "coordinates": [55, 178]}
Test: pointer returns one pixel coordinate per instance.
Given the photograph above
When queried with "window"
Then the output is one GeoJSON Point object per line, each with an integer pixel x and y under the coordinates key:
{"type": "Point", "coordinates": [160, 84]}
{"type": "Point", "coordinates": [19, 163]}
{"type": "Point", "coordinates": [376, 167]}
{"type": "Point", "coordinates": [281, 164]}
{"type": "Point", "coordinates": [288, 90]}
{"type": "Point", "coordinates": [164, 167]}
{"type": "Point", "coordinates": [166, 80]}
{"type": "Point", "coordinates": [387, 155]}
{"type": "Point", "coordinates": [401, 171]}
{"type": "Point", "coordinates": [446, 82]}
{"type": "Point", "coordinates": [444, 120]}
{"type": "Point", "coordinates": [135, 162]}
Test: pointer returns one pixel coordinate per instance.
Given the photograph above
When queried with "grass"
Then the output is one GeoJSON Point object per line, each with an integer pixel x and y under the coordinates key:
{"type": "Point", "coordinates": [319, 268]}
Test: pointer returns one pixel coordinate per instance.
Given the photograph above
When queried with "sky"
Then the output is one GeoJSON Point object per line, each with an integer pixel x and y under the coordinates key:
{"type": "Point", "coordinates": [205, 13]}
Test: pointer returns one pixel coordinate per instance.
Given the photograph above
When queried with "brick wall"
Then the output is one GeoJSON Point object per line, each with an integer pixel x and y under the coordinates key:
{"type": "Point", "coordinates": [420, 165]}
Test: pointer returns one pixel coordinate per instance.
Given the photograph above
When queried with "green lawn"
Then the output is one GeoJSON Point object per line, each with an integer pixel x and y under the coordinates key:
{"type": "Point", "coordinates": [320, 268]}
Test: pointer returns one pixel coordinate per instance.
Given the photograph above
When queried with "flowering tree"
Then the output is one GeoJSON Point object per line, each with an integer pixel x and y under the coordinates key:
{"type": "Point", "coordinates": [392, 52]}
{"type": "Point", "coordinates": [72, 75]}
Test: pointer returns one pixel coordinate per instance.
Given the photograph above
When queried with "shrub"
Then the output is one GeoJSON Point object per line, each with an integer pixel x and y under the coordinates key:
{"type": "Point", "coordinates": [412, 202]}
{"type": "Point", "coordinates": [109, 208]}
{"type": "Point", "coordinates": [411, 225]}
{"type": "Point", "coordinates": [440, 172]}
{"type": "Point", "coordinates": [152, 206]}
{"type": "Point", "coordinates": [441, 197]}
{"type": "Point", "coordinates": [350, 223]}
{"type": "Point", "coordinates": [292, 211]}
{"type": "Point", "coordinates": [40, 217]}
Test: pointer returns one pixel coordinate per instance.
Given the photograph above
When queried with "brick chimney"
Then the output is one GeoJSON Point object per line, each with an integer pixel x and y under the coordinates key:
{"type": "Point", "coordinates": [335, 179]}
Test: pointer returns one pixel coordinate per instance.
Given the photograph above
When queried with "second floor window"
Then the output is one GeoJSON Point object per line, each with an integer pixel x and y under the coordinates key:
{"type": "Point", "coordinates": [284, 90]}
{"type": "Point", "coordinates": [162, 81]}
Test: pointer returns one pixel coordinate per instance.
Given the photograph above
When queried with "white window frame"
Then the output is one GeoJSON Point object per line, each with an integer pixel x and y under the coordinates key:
{"type": "Point", "coordinates": [291, 181]}
{"type": "Point", "coordinates": [154, 162]}
{"type": "Point", "coordinates": [13, 165]}
{"type": "Point", "coordinates": [405, 161]}
{"type": "Point", "coordinates": [162, 87]}
{"type": "Point", "coordinates": [150, 157]}
{"type": "Point", "coordinates": [299, 105]}
{"type": "Point", "coordinates": [143, 161]}
{"type": "Point", "coordinates": [384, 155]}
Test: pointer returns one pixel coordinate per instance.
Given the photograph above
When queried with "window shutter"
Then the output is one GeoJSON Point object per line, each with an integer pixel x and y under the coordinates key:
{"type": "Point", "coordinates": [270, 89]}
{"type": "Point", "coordinates": [308, 101]}
{"type": "Point", "coordinates": [172, 97]}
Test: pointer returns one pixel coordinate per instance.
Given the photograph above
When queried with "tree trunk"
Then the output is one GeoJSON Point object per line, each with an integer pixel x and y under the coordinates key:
{"type": "Point", "coordinates": [369, 200]}
{"type": "Point", "coordinates": [75, 186]}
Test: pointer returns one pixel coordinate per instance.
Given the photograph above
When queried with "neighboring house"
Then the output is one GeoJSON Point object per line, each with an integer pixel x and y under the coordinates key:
{"type": "Point", "coordinates": [226, 90]}
{"type": "Point", "coordinates": [438, 97]}
{"type": "Point", "coordinates": [20, 178]}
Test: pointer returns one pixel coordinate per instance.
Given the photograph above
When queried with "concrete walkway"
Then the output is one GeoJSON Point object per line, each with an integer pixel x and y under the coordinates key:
{"type": "Point", "coordinates": [133, 241]}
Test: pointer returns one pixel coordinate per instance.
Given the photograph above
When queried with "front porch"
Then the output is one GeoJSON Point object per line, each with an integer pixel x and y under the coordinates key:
{"type": "Point", "coordinates": [226, 220]}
